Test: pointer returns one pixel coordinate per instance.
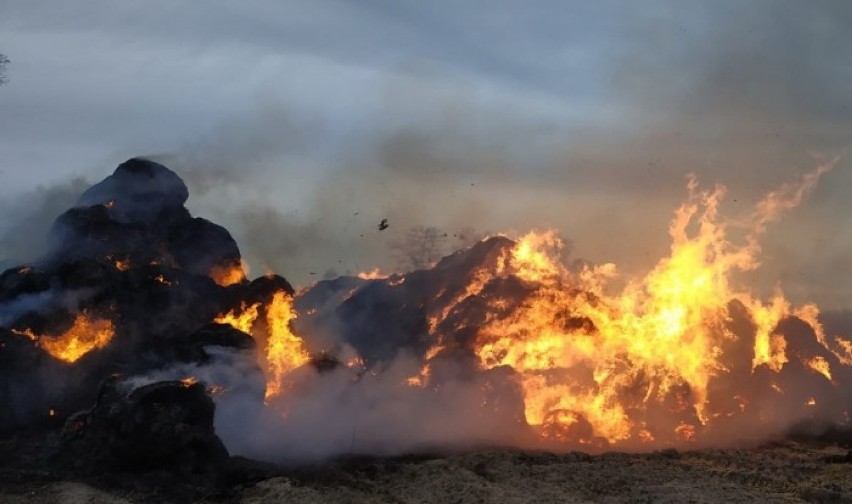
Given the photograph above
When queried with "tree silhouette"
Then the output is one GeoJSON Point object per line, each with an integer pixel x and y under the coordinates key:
{"type": "Point", "coordinates": [4, 61]}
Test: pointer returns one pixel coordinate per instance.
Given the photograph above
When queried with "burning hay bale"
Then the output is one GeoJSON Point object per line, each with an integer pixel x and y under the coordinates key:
{"type": "Point", "coordinates": [128, 286]}
{"type": "Point", "coordinates": [502, 343]}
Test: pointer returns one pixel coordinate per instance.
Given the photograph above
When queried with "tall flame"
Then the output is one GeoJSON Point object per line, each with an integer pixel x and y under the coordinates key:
{"type": "Point", "coordinates": [583, 353]}
{"type": "Point", "coordinates": [284, 350]}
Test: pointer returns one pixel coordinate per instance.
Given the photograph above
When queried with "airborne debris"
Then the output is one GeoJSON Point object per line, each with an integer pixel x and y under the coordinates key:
{"type": "Point", "coordinates": [383, 225]}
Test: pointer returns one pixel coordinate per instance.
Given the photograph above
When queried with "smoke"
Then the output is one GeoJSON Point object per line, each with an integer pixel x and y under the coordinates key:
{"type": "Point", "coordinates": [29, 216]}
{"type": "Point", "coordinates": [336, 413]}
{"type": "Point", "coordinates": [414, 362]}
{"type": "Point", "coordinates": [304, 212]}
{"type": "Point", "coordinates": [741, 94]}
{"type": "Point", "coordinates": [44, 302]}
{"type": "Point", "coordinates": [345, 411]}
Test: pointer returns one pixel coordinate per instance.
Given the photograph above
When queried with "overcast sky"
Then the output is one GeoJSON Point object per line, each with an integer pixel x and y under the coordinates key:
{"type": "Point", "coordinates": [300, 124]}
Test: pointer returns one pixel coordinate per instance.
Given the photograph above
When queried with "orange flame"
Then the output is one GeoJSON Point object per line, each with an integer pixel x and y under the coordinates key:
{"type": "Point", "coordinates": [162, 279]}
{"type": "Point", "coordinates": [284, 350]}
{"type": "Point", "coordinates": [583, 353]}
{"type": "Point", "coordinates": [685, 431]}
{"type": "Point", "coordinates": [120, 264]}
{"type": "Point", "coordinates": [242, 319]}
{"type": "Point", "coordinates": [820, 365]}
{"type": "Point", "coordinates": [373, 274]}
{"type": "Point", "coordinates": [189, 381]}
{"type": "Point", "coordinates": [84, 335]}
{"type": "Point", "coordinates": [229, 274]}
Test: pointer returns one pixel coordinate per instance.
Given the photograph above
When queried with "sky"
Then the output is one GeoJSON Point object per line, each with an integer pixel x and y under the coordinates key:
{"type": "Point", "coordinates": [300, 124]}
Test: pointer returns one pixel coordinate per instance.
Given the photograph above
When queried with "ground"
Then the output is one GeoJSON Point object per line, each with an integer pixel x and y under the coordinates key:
{"type": "Point", "coordinates": [782, 472]}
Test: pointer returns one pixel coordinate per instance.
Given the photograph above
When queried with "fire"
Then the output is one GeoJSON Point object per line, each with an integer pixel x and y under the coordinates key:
{"type": "Point", "coordinates": [820, 365]}
{"type": "Point", "coordinates": [84, 335]}
{"type": "Point", "coordinates": [229, 274]}
{"type": "Point", "coordinates": [355, 363]}
{"type": "Point", "coordinates": [535, 257]}
{"type": "Point", "coordinates": [26, 333]}
{"type": "Point", "coordinates": [422, 378]}
{"type": "Point", "coordinates": [120, 264]}
{"type": "Point", "coordinates": [215, 389]}
{"type": "Point", "coordinates": [373, 274]}
{"type": "Point", "coordinates": [242, 319]}
{"type": "Point", "coordinates": [582, 352]}
{"type": "Point", "coordinates": [189, 381]}
{"type": "Point", "coordinates": [284, 351]}
{"type": "Point", "coordinates": [685, 431]}
{"type": "Point", "coordinates": [162, 279]}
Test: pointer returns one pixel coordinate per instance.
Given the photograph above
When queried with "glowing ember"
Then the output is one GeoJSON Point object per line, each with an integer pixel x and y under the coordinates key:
{"type": "Point", "coordinates": [189, 381]}
{"type": "Point", "coordinates": [355, 363]}
{"type": "Point", "coordinates": [215, 389]}
{"type": "Point", "coordinates": [373, 274]}
{"type": "Point", "coordinates": [161, 279]}
{"type": "Point", "coordinates": [820, 365]}
{"type": "Point", "coordinates": [685, 431]}
{"type": "Point", "coordinates": [26, 332]}
{"type": "Point", "coordinates": [421, 379]}
{"type": "Point", "coordinates": [229, 274]}
{"type": "Point", "coordinates": [120, 264]}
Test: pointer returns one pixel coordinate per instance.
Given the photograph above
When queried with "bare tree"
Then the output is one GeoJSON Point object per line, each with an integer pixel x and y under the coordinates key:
{"type": "Point", "coordinates": [419, 248]}
{"type": "Point", "coordinates": [4, 61]}
{"type": "Point", "coordinates": [422, 246]}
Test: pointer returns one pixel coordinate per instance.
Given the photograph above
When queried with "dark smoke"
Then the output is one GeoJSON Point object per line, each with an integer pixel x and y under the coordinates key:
{"type": "Point", "coordinates": [29, 216]}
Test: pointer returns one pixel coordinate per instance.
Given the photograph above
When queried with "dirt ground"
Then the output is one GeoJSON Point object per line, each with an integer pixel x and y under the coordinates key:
{"type": "Point", "coordinates": [784, 472]}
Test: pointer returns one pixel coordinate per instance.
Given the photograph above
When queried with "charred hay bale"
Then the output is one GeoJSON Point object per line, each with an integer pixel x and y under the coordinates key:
{"type": "Point", "coordinates": [25, 393]}
{"type": "Point", "coordinates": [140, 190]}
{"type": "Point", "coordinates": [164, 426]}
{"type": "Point", "coordinates": [198, 246]}
{"type": "Point", "coordinates": [137, 215]}
{"type": "Point", "coordinates": [222, 335]}
{"type": "Point", "coordinates": [261, 289]}
{"type": "Point", "coordinates": [22, 280]}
